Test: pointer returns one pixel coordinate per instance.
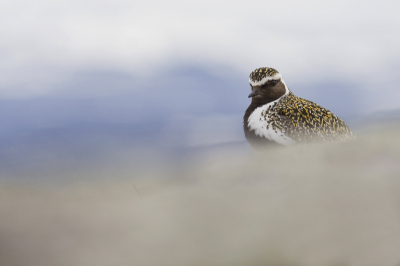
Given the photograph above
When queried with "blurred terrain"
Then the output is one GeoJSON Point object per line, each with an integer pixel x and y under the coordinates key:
{"type": "Point", "coordinates": [320, 204]}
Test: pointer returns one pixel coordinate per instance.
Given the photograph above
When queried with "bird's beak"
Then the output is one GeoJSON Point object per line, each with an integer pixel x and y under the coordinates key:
{"type": "Point", "coordinates": [253, 93]}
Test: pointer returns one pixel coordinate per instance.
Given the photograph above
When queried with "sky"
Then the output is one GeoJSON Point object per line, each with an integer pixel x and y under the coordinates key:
{"type": "Point", "coordinates": [46, 43]}
{"type": "Point", "coordinates": [84, 73]}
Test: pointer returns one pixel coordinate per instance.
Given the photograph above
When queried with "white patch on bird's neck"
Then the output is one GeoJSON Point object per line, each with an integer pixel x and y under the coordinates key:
{"type": "Point", "coordinates": [259, 122]}
{"type": "Point", "coordinates": [286, 89]}
{"type": "Point", "coordinates": [278, 76]}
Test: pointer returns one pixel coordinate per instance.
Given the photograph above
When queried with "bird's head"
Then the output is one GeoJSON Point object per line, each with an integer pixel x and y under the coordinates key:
{"type": "Point", "coordinates": [267, 85]}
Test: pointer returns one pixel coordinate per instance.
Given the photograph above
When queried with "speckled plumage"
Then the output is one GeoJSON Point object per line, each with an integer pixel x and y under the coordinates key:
{"type": "Point", "coordinates": [304, 120]}
{"type": "Point", "coordinates": [287, 119]}
{"type": "Point", "coordinates": [260, 73]}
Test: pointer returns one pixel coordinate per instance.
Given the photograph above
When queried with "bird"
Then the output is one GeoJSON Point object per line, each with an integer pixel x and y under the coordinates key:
{"type": "Point", "coordinates": [278, 117]}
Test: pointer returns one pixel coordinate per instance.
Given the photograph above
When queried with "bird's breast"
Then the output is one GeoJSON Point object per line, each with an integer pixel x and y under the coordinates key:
{"type": "Point", "coordinates": [264, 122]}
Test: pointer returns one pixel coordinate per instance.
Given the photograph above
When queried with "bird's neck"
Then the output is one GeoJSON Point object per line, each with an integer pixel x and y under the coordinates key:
{"type": "Point", "coordinates": [257, 102]}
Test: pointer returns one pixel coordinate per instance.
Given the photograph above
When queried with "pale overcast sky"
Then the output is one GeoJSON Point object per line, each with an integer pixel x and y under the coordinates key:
{"type": "Point", "coordinates": [45, 43]}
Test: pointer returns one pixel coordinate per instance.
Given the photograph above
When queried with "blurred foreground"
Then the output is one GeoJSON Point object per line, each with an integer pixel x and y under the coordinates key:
{"type": "Point", "coordinates": [325, 204]}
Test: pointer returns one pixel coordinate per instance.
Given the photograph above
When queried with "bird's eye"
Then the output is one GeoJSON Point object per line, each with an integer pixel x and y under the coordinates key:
{"type": "Point", "coordinates": [273, 82]}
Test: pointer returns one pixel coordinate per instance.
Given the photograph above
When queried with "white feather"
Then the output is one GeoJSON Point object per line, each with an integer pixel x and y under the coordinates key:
{"type": "Point", "coordinates": [278, 76]}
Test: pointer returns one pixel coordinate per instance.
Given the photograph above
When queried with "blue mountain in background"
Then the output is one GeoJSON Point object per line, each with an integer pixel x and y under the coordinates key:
{"type": "Point", "coordinates": [73, 128]}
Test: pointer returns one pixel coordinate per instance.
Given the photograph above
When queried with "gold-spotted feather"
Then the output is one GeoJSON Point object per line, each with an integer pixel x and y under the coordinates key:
{"type": "Point", "coordinates": [316, 121]}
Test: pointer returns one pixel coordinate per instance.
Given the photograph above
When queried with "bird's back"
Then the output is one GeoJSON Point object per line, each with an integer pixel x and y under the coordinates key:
{"type": "Point", "coordinates": [304, 120]}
